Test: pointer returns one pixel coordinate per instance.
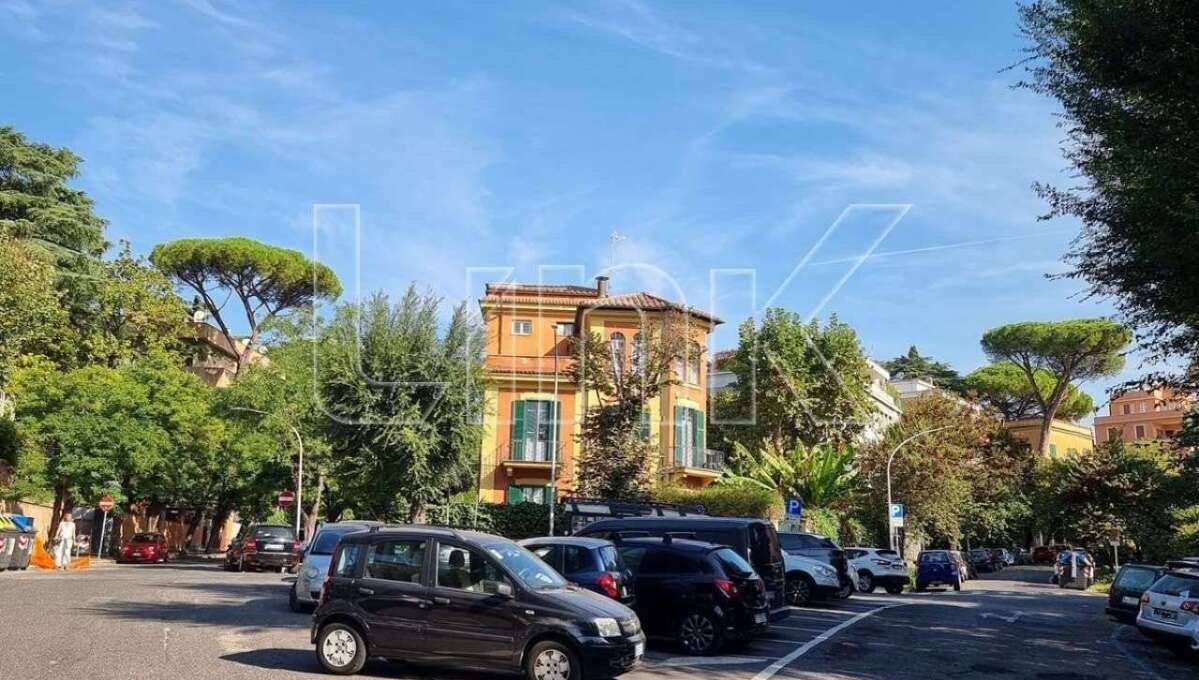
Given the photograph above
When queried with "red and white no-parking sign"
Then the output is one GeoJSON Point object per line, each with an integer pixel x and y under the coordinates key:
{"type": "Point", "coordinates": [286, 498]}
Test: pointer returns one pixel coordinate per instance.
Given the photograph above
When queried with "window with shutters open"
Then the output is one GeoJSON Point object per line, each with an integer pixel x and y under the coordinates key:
{"type": "Point", "coordinates": [689, 440]}
{"type": "Point", "coordinates": [534, 430]}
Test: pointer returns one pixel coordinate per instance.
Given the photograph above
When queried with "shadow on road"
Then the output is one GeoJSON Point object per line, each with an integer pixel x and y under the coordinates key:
{"type": "Point", "coordinates": [304, 661]}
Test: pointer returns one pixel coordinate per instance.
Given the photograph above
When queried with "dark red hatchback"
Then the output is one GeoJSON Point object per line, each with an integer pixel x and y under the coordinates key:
{"type": "Point", "coordinates": [144, 547]}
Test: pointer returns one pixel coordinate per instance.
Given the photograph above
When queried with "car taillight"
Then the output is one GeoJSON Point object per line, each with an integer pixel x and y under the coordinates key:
{"type": "Point", "coordinates": [1190, 606]}
{"type": "Point", "coordinates": [1145, 598]}
{"type": "Point", "coordinates": [250, 545]}
{"type": "Point", "coordinates": [881, 563]}
{"type": "Point", "coordinates": [607, 583]}
{"type": "Point", "coordinates": [728, 588]}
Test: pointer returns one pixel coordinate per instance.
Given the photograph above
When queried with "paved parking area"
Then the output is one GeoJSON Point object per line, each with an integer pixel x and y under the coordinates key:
{"type": "Point", "coordinates": [194, 621]}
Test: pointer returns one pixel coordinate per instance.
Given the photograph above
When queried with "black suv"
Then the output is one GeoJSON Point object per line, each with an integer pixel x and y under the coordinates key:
{"type": "Point", "coordinates": [699, 594]}
{"type": "Point", "coordinates": [469, 600]}
{"type": "Point", "coordinates": [821, 549]}
{"type": "Point", "coordinates": [753, 539]}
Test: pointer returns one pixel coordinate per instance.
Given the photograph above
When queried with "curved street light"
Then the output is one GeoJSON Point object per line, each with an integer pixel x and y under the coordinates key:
{"type": "Point", "coordinates": [299, 473]}
{"type": "Point", "coordinates": [891, 457]}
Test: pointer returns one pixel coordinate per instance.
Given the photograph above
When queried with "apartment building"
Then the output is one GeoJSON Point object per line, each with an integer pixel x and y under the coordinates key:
{"type": "Point", "coordinates": [534, 410]}
{"type": "Point", "coordinates": [1144, 414]}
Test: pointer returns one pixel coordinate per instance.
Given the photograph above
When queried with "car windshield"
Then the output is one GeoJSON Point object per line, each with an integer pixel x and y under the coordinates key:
{"type": "Point", "coordinates": [890, 554]}
{"type": "Point", "coordinates": [532, 572]}
{"type": "Point", "coordinates": [144, 538]}
{"type": "Point", "coordinates": [279, 533]}
{"type": "Point", "coordinates": [732, 563]}
{"type": "Point", "coordinates": [611, 559]}
{"type": "Point", "coordinates": [806, 542]}
{"type": "Point", "coordinates": [1177, 585]}
{"type": "Point", "coordinates": [934, 558]}
{"type": "Point", "coordinates": [326, 540]}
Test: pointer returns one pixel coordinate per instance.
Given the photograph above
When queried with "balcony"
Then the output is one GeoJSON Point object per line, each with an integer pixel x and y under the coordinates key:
{"type": "Point", "coordinates": [533, 458]}
{"type": "Point", "coordinates": [705, 463]}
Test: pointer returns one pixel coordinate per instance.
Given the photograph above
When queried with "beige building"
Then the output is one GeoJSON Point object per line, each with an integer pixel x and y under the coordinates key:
{"type": "Point", "coordinates": [1144, 414]}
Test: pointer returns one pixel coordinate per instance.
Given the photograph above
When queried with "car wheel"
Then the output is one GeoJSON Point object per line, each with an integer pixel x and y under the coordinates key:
{"type": "Point", "coordinates": [698, 633]}
{"type": "Point", "coordinates": [895, 589]}
{"type": "Point", "coordinates": [340, 649]}
{"type": "Point", "coordinates": [798, 590]}
{"type": "Point", "coordinates": [865, 581]}
{"type": "Point", "coordinates": [551, 660]}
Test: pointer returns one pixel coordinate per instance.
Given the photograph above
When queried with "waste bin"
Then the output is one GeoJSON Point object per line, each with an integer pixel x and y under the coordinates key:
{"type": "Point", "coordinates": [24, 544]}
{"type": "Point", "coordinates": [9, 531]}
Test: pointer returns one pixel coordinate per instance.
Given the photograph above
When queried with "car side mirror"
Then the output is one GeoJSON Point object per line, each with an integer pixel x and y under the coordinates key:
{"type": "Point", "coordinates": [500, 588]}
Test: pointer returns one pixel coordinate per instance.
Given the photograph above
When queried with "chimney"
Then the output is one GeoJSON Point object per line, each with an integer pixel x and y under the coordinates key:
{"type": "Point", "coordinates": [601, 286]}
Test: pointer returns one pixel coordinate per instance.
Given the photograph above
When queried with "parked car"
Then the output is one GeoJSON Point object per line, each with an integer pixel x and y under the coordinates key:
{"type": "Point", "coordinates": [1009, 557]}
{"type": "Point", "coordinates": [1043, 554]}
{"type": "Point", "coordinates": [938, 567]}
{"type": "Point", "coordinates": [1169, 611]}
{"type": "Point", "coordinates": [1022, 556]}
{"type": "Point", "coordinates": [1131, 582]}
{"type": "Point", "coordinates": [1001, 558]}
{"type": "Point", "coordinates": [464, 599]}
{"type": "Point", "coordinates": [305, 592]}
{"type": "Point", "coordinates": [146, 547]}
{"type": "Point", "coordinates": [590, 563]}
{"type": "Point", "coordinates": [699, 594]}
{"type": "Point", "coordinates": [822, 549]}
{"type": "Point", "coordinates": [263, 546]}
{"type": "Point", "coordinates": [809, 579]}
{"type": "Point", "coordinates": [876, 567]}
{"type": "Point", "coordinates": [982, 560]}
{"type": "Point", "coordinates": [755, 540]}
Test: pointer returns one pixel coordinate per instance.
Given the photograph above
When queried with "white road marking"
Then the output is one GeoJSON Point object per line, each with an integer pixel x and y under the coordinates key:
{"type": "Point", "coordinates": [772, 669]}
{"type": "Point", "coordinates": [1010, 619]}
{"type": "Point", "coordinates": [677, 661]}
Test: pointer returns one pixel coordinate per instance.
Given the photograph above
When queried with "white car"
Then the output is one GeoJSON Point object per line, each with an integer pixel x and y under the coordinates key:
{"type": "Point", "coordinates": [809, 579]}
{"type": "Point", "coordinates": [875, 567]}
{"type": "Point", "coordinates": [1170, 608]}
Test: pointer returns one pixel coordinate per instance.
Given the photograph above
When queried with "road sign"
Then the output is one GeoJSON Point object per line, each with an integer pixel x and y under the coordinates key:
{"type": "Point", "coordinates": [286, 498]}
{"type": "Point", "coordinates": [794, 507]}
{"type": "Point", "coordinates": [105, 503]}
{"type": "Point", "coordinates": [897, 513]}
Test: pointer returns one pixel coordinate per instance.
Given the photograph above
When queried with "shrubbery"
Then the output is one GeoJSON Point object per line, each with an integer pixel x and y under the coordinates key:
{"type": "Point", "coordinates": [724, 501]}
{"type": "Point", "coordinates": [523, 520]}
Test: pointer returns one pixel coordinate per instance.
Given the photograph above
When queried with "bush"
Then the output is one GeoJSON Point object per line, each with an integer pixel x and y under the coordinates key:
{"type": "Point", "coordinates": [523, 520]}
{"type": "Point", "coordinates": [824, 522]}
{"type": "Point", "coordinates": [725, 501]}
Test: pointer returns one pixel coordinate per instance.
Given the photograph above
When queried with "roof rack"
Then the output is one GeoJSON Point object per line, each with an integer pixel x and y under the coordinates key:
{"type": "Point", "coordinates": [439, 531]}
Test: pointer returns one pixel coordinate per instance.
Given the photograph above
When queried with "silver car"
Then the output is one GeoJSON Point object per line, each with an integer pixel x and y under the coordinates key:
{"type": "Point", "coordinates": [306, 591]}
{"type": "Point", "coordinates": [1170, 608]}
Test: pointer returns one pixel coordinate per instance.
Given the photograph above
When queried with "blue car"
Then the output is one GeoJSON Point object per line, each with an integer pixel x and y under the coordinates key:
{"type": "Point", "coordinates": [306, 591]}
{"type": "Point", "coordinates": [591, 563]}
{"type": "Point", "coordinates": [938, 568]}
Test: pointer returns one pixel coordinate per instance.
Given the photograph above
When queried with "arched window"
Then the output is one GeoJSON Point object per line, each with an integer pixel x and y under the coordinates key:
{"type": "Point", "coordinates": [693, 363]}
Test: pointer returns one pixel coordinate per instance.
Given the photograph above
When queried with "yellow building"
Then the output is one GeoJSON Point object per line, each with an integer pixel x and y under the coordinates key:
{"type": "Point", "coordinates": [1065, 438]}
{"type": "Point", "coordinates": [533, 409]}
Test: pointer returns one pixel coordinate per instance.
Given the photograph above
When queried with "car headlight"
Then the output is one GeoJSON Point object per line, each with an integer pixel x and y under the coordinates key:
{"type": "Point", "coordinates": [607, 627]}
{"type": "Point", "coordinates": [826, 571]}
{"type": "Point", "coordinates": [311, 573]}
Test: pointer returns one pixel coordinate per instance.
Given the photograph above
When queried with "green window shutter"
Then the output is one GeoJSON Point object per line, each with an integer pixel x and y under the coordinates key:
{"type": "Point", "coordinates": [644, 429]}
{"type": "Point", "coordinates": [700, 439]}
{"type": "Point", "coordinates": [518, 430]}
{"type": "Point", "coordinates": [515, 494]}
{"type": "Point", "coordinates": [679, 415]}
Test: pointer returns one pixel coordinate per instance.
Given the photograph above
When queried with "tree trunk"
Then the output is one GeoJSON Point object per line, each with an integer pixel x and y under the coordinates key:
{"type": "Point", "coordinates": [1043, 439]}
{"type": "Point", "coordinates": [192, 524]}
{"type": "Point", "coordinates": [316, 507]}
{"type": "Point", "coordinates": [214, 531]}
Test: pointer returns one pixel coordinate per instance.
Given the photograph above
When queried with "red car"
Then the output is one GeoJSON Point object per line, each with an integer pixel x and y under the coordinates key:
{"type": "Point", "coordinates": [144, 547]}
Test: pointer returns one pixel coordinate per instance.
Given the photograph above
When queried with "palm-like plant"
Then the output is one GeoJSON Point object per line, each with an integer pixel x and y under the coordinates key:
{"type": "Point", "coordinates": [824, 476]}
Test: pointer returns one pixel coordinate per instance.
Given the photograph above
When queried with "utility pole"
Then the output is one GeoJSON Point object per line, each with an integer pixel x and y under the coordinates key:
{"type": "Point", "coordinates": [891, 457]}
{"type": "Point", "coordinates": [299, 472]}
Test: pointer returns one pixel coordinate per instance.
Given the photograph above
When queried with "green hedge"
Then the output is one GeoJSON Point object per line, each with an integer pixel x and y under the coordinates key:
{"type": "Point", "coordinates": [522, 520]}
{"type": "Point", "coordinates": [724, 501]}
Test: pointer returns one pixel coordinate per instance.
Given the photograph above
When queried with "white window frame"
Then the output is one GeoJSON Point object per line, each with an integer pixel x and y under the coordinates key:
{"type": "Point", "coordinates": [569, 326]}
{"type": "Point", "coordinates": [519, 323]}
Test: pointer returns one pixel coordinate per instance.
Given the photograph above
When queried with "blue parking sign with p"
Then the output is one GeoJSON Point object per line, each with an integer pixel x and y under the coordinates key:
{"type": "Point", "coordinates": [794, 506]}
{"type": "Point", "coordinates": [897, 514]}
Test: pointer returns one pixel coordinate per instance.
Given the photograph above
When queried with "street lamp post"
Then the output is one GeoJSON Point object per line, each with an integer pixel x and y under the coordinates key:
{"type": "Point", "coordinates": [300, 471]}
{"type": "Point", "coordinates": [890, 458]}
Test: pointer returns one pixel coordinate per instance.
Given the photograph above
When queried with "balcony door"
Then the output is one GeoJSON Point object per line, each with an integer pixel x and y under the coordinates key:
{"type": "Point", "coordinates": [688, 437]}
{"type": "Point", "coordinates": [534, 430]}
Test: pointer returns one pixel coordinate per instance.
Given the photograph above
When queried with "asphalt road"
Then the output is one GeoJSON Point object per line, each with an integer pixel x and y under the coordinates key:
{"type": "Point", "coordinates": [194, 621]}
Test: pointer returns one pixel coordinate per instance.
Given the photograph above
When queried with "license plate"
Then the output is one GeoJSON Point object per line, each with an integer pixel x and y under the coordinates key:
{"type": "Point", "coordinates": [639, 649]}
{"type": "Point", "coordinates": [760, 618]}
{"type": "Point", "coordinates": [1131, 600]}
{"type": "Point", "coordinates": [274, 546]}
{"type": "Point", "coordinates": [137, 554]}
{"type": "Point", "coordinates": [1165, 614]}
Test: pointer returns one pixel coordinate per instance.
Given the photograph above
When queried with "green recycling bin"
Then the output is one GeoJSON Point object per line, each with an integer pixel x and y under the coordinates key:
{"type": "Point", "coordinates": [23, 549]}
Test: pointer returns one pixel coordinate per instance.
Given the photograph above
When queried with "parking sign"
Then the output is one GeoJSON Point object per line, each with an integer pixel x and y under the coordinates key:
{"type": "Point", "coordinates": [897, 514]}
{"type": "Point", "coordinates": [794, 507]}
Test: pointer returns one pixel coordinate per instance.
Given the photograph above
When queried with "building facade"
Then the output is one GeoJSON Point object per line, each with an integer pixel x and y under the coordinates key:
{"type": "Point", "coordinates": [1066, 439]}
{"type": "Point", "coordinates": [1144, 414]}
{"type": "Point", "coordinates": [533, 409]}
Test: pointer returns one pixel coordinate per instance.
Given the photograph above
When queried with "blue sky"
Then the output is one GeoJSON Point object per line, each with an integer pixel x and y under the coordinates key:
{"type": "Point", "coordinates": [484, 140]}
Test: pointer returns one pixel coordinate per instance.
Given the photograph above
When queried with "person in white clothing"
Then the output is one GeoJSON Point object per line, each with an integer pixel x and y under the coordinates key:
{"type": "Point", "coordinates": [64, 541]}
